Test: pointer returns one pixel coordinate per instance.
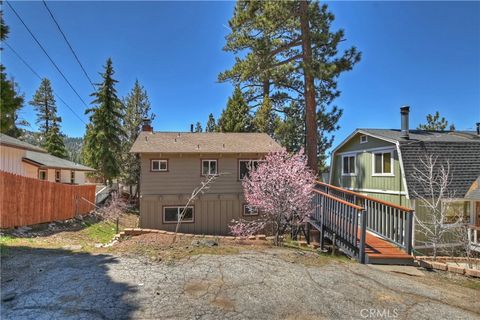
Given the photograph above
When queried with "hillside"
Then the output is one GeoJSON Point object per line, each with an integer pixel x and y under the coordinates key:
{"type": "Point", "coordinates": [72, 144]}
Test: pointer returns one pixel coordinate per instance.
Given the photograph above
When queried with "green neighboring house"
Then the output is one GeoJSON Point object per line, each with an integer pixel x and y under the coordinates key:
{"type": "Point", "coordinates": [380, 163]}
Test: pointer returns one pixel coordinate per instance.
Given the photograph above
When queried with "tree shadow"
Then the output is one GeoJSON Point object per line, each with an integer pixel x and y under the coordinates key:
{"type": "Point", "coordinates": [56, 284]}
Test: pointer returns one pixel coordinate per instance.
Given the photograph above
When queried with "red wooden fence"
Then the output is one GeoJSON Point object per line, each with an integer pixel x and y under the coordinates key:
{"type": "Point", "coordinates": [26, 201]}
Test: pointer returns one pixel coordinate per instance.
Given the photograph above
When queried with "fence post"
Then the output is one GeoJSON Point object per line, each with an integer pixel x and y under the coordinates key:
{"type": "Point", "coordinates": [408, 232]}
{"type": "Point", "coordinates": [322, 224]}
{"type": "Point", "coordinates": [363, 236]}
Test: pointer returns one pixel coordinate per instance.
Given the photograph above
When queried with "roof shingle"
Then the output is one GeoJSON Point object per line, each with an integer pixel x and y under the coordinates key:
{"type": "Point", "coordinates": [12, 142]}
{"type": "Point", "coordinates": [49, 161]}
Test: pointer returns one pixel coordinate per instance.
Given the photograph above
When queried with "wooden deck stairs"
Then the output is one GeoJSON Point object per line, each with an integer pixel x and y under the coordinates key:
{"type": "Point", "coordinates": [368, 229]}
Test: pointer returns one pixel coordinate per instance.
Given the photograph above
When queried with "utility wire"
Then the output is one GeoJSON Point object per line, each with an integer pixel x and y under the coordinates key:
{"type": "Point", "coordinates": [44, 51]}
{"type": "Point", "coordinates": [39, 77]}
{"type": "Point", "coordinates": [68, 43]}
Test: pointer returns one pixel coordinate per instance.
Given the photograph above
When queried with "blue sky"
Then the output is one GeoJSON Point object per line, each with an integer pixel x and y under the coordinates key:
{"type": "Point", "coordinates": [425, 54]}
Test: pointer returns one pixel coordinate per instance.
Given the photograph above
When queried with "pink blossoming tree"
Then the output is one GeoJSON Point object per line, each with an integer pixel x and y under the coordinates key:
{"type": "Point", "coordinates": [281, 188]}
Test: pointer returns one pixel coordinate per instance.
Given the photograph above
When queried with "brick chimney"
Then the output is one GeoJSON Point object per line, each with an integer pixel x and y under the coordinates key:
{"type": "Point", "coordinates": [404, 113]}
{"type": "Point", "coordinates": [147, 125]}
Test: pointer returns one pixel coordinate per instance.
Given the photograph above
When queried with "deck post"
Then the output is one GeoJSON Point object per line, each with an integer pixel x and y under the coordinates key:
{"type": "Point", "coordinates": [408, 232]}
{"type": "Point", "coordinates": [363, 236]}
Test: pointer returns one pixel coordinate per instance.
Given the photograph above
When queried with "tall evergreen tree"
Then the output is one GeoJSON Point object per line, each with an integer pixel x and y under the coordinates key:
{"type": "Point", "coordinates": [302, 61]}
{"type": "Point", "coordinates": [211, 124]}
{"type": "Point", "coordinates": [137, 108]}
{"type": "Point", "coordinates": [236, 116]}
{"type": "Point", "coordinates": [10, 100]}
{"type": "Point", "coordinates": [103, 140]}
{"type": "Point", "coordinates": [266, 120]}
{"type": "Point", "coordinates": [44, 103]}
{"type": "Point", "coordinates": [198, 127]}
{"type": "Point", "coordinates": [291, 131]}
{"type": "Point", "coordinates": [53, 142]}
{"type": "Point", "coordinates": [435, 123]}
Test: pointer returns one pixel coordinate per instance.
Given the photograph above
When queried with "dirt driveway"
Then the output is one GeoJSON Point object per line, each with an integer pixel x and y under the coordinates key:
{"type": "Point", "coordinates": [54, 284]}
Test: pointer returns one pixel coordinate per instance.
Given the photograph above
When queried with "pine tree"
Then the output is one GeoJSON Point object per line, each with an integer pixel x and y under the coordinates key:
{"type": "Point", "coordinates": [435, 123]}
{"type": "Point", "coordinates": [291, 131]}
{"type": "Point", "coordinates": [103, 141]}
{"type": "Point", "coordinates": [266, 120]}
{"type": "Point", "coordinates": [137, 108]}
{"type": "Point", "coordinates": [211, 124]}
{"type": "Point", "coordinates": [291, 44]}
{"type": "Point", "coordinates": [236, 117]}
{"type": "Point", "coordinates": [54, 143]}
{"type": "Point", "coordinates": [44, 103]}
{"type": "Point", "coordinates": [198, 127]}
{"type": "Point", "coordinates": [10, 100]}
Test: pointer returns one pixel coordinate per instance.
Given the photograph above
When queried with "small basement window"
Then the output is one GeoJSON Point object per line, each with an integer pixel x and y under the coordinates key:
{"type": "Point", "coordinates": [363, 139]}
{"type": "Point", "coordinates": [171, 214]}
{"type": "Point", "coordinates": [209, 167]}
{"type": "Point", "coordinates": [348, 165]}
{"type": "Point", "coordinates": [244, 166]}
{"type": "Point", "coordinates": [72, 177]}
{"type": "Point", "coordinates": [42, 174]}
{"type": "Point", "coordinates": [159, 165]}
{"type": "Point", "coordinates": [57, 175]}
{"type": "Point", "coordinates": [383, 163]}
{"type": "Point", "coordinates": [249, 210]}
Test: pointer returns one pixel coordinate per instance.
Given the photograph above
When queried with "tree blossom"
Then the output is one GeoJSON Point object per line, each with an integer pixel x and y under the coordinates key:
{"type": "Point", "coordinates": [244, 228]}
{"type": "Point", "coordinates": [281, 188]}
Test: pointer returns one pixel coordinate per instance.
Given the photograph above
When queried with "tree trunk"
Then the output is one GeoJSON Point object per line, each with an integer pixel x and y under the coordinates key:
{"type": "Point", "coordinates": [310, 105]}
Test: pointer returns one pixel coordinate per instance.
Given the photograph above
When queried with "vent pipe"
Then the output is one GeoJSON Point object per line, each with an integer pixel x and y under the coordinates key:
{"type": "Point", "coordinates": [404, 113]}
{"type": "Point", "coordinates": [478, 128]}
{"type": "Point", "coordinates": [191, 127]}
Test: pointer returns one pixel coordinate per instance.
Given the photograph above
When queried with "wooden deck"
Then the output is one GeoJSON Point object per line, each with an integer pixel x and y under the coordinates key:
{"type": "Point", "coordinates": [380, 251]}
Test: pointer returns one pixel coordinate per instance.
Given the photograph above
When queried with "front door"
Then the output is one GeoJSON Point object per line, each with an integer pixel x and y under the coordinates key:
{"type": "Point", "coordinates": [478, 213]}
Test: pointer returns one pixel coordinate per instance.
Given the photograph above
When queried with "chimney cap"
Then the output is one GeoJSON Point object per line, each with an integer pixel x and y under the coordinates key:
{"type": "Point", "coordinates": [405, 109]}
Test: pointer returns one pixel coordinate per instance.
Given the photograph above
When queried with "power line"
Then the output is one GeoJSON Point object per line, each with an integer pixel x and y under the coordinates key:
{"type": "Point", "coordinates": [39, 77]}
{"type": "Point", "coordinates": [44, 51]}
{"type": "Point", "coordinates": [68, 43]}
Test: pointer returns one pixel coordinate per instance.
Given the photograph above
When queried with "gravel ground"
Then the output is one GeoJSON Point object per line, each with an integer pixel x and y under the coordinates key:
{"type": "Point", "coordinates": [58, 284]}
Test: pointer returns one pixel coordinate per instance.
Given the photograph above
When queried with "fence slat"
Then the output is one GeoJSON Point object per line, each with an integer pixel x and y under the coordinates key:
{"type": "Point", "coordinates": [27, 201]}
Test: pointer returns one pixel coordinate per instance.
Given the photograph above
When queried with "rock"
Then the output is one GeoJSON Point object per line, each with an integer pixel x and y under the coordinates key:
{"type": "Point", "coordinates": [9, 297]}
{"type": "Point", "coordinates": [98, 245]}
{"type": "Point", "coordinates": [204, 243]}
{"type": "Point", "coordinates": [72, 247]}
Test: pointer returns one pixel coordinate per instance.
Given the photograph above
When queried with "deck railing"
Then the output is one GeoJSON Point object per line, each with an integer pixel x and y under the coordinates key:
{"type": "Point", "coordinates": [387, 220]}
{"type": "Point", "coordinates": [342, 222]}
{"type": "Point", "coordinates": [474, 237]}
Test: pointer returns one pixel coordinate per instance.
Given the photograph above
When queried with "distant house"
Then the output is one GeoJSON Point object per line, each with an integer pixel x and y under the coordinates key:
{"type": "Point", "coordinates": [380, 163]}
{"type": "Point", "coordinates": [173, 164]}
{"type": "Point", "coordinates": [31, 161]}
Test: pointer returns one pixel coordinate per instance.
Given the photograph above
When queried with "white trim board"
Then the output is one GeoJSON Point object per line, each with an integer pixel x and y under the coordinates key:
{"type": "Point", "coordinates": [393, 192]}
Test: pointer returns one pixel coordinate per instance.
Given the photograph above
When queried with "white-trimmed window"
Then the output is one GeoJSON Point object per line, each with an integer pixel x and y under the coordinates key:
{"type": "Point", "coordinates": [171, 214]}
{"type": "Point", "coordinates": [363, 139]}
{"type": "Point", "coordinates": [348, 165]}
{"type": "Point", "coordinates": [42, 174]}
{"type": "Point", "coordinates": [209, 167]}
{"type": "Point", "coordinates": [383, 163]}
{"type": "Point", "coordinates": [244, 166]}
{"type": "Point", "coordinates": [57, 175]}
{"type": "Point", "coordinates": [72, 177]}
{"type": "Point", "coordinates": [249, 210]}
{"type": "Point", "coordinates": [158, 165]}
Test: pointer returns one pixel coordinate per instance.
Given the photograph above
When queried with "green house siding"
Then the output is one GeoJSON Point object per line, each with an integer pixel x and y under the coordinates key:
{"type": "Point", "coordinates": [389, 188]}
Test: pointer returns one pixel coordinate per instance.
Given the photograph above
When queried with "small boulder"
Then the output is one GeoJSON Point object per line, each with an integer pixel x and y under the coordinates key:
{"type": "Point", "coordinates": [72, 247]}
{"type": "Point", "coordinates": [205, 243]}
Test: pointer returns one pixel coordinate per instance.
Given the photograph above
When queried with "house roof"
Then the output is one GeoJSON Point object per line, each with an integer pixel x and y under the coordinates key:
{"type": "Point", "coordinates": [423, 135]}
{"type": "Point", "coordinates": [49, 161]}
{"type": "Point", "coordinates": [462, 157]}
{"type": "Point", "coordinates": [207, 142]}
{"type": "Point", "coordinates": [15, 143]}
{"type": "Point", "coordinates": [474, 192]}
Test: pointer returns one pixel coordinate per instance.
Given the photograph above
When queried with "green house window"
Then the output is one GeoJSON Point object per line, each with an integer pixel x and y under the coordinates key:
{"type": "Point", "coordinates": [382, 163]}
{"type": "Point", "coordinates": [348, 165]}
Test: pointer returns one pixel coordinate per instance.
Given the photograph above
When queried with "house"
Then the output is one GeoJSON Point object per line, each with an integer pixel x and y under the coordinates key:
{"type": "Point", "coordinates": [380, 163]}
{"type": "Point", "coordinates": [31, 161]}
{"type": "Point", "coordinates": [174, 164]}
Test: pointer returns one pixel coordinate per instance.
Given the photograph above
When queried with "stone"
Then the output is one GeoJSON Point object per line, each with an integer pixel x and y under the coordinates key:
{"type": "Point", "coordinates": [72, 247]}
{"type": "Point", "coordinates": [204, 243]}
{"type": "Point", "coordinates": [439, 266]}
{"type": "Point", "coordinates": [252, 238]}
{"type": "Point", "coordinates": [302, 243]}
{"type": "Point", "coordinates": [261, 237]}
{"type": "Point", "coordinates": [314, 245]}
{"type": "Point", "coordinates": [472, 273]}
{"type": "Point", "coordinates": [456, 269]}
